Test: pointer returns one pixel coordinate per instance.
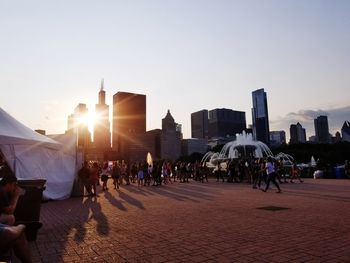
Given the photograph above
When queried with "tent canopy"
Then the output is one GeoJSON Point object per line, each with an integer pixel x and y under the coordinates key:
{"type": "Point", "coordinates": [32, 155]}
{"type": "Point", "coordinates": [14, 132]}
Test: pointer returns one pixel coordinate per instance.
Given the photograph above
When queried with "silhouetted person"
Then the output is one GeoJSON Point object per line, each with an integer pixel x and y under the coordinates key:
{"type": "Point", "coordinates": [271, 175]}
{"type": "Point", "coordinates": [9, 195]}
{"type": "Point", "coordinates": [84, 176]}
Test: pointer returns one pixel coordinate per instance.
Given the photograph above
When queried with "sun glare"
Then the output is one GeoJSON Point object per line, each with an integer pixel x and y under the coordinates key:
{"type": "Point", "coordinates": [89, 119]}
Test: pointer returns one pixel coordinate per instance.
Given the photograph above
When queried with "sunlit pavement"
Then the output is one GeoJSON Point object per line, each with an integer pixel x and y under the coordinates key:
{"type": "Point", "coordinates": [200, 222]}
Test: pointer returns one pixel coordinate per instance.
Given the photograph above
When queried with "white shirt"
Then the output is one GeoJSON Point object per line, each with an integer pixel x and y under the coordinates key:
{"type": "Point", "coordinates": [270, 168]}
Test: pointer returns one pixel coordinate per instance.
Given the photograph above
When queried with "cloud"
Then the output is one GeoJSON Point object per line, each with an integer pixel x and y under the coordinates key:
{"type": "Point", "coordinates": [336, 118]}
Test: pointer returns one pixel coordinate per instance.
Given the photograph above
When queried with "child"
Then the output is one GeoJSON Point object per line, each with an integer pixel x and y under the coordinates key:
{"type": "Point", "coordinates": [140, 175]}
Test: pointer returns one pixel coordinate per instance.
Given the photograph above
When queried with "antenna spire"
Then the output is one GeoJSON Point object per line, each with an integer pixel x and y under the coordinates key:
{"type": "Point", "coordinates": [102, 84]}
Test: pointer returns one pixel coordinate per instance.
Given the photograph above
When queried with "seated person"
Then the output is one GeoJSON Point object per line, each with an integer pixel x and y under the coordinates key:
{"type": "Point", "coordinates": [9, 194]}
{"type": "Point", "coordinates": [13, 237]}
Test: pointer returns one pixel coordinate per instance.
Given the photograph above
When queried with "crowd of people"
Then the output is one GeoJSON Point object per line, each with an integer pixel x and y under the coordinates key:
{"type": "Point", "coordinates": [253, 170]}
{"type": "Point", "coordinates": [257, 171]}
{"type": "Point", "coordinates": [93, 173]}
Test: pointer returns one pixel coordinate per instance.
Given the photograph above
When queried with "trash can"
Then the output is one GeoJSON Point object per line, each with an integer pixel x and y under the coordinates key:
{"type": "Point", "coordinates": [28, 205]}
{"type": "Point", "coordinates": [339, 172]}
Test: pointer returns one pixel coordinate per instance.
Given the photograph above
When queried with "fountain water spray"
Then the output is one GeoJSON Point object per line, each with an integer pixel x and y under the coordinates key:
{"type": "Point", "coordinates": [149, 159]}
{"type": "Point", "coordinates": [245, 146]}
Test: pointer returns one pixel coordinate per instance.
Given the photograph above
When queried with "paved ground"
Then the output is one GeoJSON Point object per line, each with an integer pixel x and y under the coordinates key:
{"type": "Point", "coordinates": [195, 222]}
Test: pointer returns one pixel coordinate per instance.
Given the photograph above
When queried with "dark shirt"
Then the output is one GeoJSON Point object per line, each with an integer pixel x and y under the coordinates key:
{"type": "Point", "coordinates": [84, 173]}
{"type": "Point", "coordinates": [4, 200]}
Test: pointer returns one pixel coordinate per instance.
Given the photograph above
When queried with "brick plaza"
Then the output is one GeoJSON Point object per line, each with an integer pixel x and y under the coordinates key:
{"type": "Point", "coordinates": [200, 222]}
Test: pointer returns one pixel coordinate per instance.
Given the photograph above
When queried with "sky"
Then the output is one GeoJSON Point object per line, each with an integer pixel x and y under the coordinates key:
{"type": "Point", "coordinates": [184, 55]}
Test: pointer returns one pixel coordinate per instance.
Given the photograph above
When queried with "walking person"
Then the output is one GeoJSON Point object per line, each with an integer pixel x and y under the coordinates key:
{"type": "Point", "coordinates": [133, 171]}
{"type": "Point", "coordinates": [295, 173]}
{"type": "Point", "coordinates": [281, 170]}
{"type": "Point", "coordinates": [94, 178]}
{"type": "Point", "coordinates": [116, 175]}
{"type": "Point", "coordinates": [347, 169]}
{"type": "Point", "coordinates": [125, 172]}
{"type": "Point", "coordinates": [155, 173]}
{"type": "Point", "coordinates": [271, 175]}
{"type": "Point", "coordinates": [203, 173]}
{"type": "Point", "coordinates": [169, 171]}
{"type": "Point", "coordinates": [140, 175]}
{"type": "Point", "coordinates": [84, 176]}
{"type": "Point", "coordinates": [158, 173]}
{"type": "Point", "coordinates": [148, 174]}
{"type": "Point", "coordinates": [219, 172]}
{"type": "Point", "coordinates": [105, 176]}
{"type": "Point", "coordinates": [165, 173]}
{"type": "Point", "coordinates": [260, 173]}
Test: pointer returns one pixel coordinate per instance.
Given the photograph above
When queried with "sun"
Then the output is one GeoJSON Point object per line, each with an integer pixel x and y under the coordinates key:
{"type": "Point", "coordinates": [89, 119]}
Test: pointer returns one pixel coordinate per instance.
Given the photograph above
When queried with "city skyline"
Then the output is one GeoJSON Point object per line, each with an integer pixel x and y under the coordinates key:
{"type": "Point", "coordinates": [184, 56]}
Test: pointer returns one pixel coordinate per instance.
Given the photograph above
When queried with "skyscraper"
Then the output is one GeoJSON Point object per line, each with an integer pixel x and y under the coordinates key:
{"type": "Point", "coordinates": [78, 125]}
{"type": "Point", "coordinates": [170, 138]}
{"type": "Point", "coordinates": [102, 134]}
{"type": "Point", "coordinates": [260, 116]}
{"type": "Point", "coordinates": [345, 131]}
{"type": "Point", "coordinates": [277, 138]}
{"type": "Point", "coordinates": [321, 129]}
{"type": "Point", "coordinates": [129, 120]}
{"type": "Point", "coordinates": [225, 122]}
{"type": "Point", "coordinates": [297, 134]}
{"type": "Point", "coordinates": [217, 123]}
{"type": "Point", "coordinates": [199, 124]}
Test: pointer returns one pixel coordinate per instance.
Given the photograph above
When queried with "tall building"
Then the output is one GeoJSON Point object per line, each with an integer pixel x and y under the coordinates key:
{"type": "Point", "coordinates": [225, 123]}
{"type": "Point", "coordinates": [337, 138]}
{"type": "Point", "coordinates": [260, 116]}
{"type": "Point", "coordinates": [171, 136]}
{"type": "Point", "coordinates": [345, 131]}
{"type": "Point", "coordinates": [77, 124]}
{"type": "Point", "coordinates": [199, 124]}
{"type": "Point", "coordinates": [297, 134]}
{"type": "Point", "coordinates": [217, 123]}
{"type": "Point", "coordinates": [277, 138]}
{"type": "Point", "coordinates": [129, 122]}
{"type": "Point", "coordinates": [193, 145]}
{"type": "Point", "coordinates": [321, 129]}
{"type": "Point", "coordinates": [102, 134]}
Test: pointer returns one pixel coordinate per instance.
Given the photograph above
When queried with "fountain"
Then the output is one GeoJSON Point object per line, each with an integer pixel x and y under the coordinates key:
{"type": "Point", "coordinates": [286, 158]}
{"type": "Point", "coordinates": [245, 146]}
{"type": "Point", "coordinates": [211, 159]}
{"type": "Point", "coordinates": [149, 159]}
{"type": "Point", "coordinates": [313, 162]}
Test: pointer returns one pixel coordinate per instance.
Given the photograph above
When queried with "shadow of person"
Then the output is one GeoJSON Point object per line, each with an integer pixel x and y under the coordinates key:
{"type": "Point", "coordinates": [131, 200]}
{"type": "Point", "coordinates": [115, 202]}
{"type": "Point", "coordinates": [102, 227]}
{"type": "Point", "coordinates": [80, 232]}
{"type": "Point", "coordinates": [190, 193]}
{"type": "Point", "coordinates": [139, 190]}
{"type": "Point", "coordinates": [174, 195]}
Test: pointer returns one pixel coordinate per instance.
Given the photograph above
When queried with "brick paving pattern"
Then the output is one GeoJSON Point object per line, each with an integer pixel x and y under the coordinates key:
{"type": "Point", "coordinates": [200, 222]}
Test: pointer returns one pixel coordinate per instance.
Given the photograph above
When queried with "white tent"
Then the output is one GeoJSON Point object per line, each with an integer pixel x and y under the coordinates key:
{"type": "Point", "coordinates": [32, 155]}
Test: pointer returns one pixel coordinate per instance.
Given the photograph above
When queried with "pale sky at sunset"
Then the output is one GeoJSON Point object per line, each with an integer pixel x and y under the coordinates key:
{"type": "Point", "coordinates": [185, 55]}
